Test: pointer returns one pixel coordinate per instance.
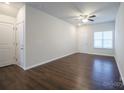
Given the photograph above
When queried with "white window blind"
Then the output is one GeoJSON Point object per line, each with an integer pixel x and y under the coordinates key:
{"type": "Point", "coordinates": [103, 39]}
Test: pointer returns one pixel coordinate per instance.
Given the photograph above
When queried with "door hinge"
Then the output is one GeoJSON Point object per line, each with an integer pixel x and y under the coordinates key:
{"type": "Point", "coordinates": [15, 28]}
{"type": "Point", "coordinates": [16, 59]}
{"type": "Point", "coordinates": [15, 44]}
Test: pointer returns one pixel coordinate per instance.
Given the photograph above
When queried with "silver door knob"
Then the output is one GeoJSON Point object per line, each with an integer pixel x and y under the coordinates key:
{"type": "Point", "coordinates": [22, 48]}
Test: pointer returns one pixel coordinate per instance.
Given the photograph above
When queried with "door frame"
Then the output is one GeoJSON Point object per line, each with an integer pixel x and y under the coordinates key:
{"type": "Point", "coordinates": [17, 23]}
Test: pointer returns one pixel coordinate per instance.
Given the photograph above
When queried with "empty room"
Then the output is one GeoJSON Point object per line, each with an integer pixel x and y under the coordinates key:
{"type": "Point", "coordinates": [61, 45]}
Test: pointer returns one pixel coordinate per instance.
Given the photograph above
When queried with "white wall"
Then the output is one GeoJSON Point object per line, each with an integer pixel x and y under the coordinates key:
{"type": "Point", "coordinates": [85, 38]}
{"type": "Point", "coordinates": [47, 38]}
{"type": "Point", "coordinates": [119, 40]}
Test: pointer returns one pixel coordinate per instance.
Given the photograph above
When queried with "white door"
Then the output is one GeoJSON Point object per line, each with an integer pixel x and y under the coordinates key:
{"type": "Point", "coordinates": [20, 44]}
{"type": "Point", "coordinates": [7, 48]}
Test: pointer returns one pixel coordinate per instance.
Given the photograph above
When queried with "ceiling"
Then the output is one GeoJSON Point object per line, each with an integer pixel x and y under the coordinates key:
{"type": "Point", "coordinates": [104, 11]}
{"type": "Point", "coordinates": [11, 9]}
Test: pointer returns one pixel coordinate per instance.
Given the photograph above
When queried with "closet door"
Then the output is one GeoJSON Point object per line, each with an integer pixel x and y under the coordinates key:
{"type": "Point", "coordinates": [7, 48]}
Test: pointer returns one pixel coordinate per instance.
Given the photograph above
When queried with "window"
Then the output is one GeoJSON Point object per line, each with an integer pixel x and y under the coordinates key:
{"type": "Point", "coordinates": [103, 39]}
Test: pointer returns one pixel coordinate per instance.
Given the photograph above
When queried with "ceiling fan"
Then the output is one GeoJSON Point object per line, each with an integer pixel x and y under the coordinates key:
{"type": "Point", "coordinates": [85, 18]}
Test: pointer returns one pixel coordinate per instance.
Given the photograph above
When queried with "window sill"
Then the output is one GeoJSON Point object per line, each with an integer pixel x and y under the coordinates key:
{"type": "Point", "coordinates": [105, 48]}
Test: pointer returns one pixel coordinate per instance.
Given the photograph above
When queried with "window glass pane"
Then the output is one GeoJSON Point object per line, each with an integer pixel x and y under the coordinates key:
{"type": "Point", "coordinates": [107, 43]}
{"type": "Point", "coordinates": [97, 35]}
{"type": "Point", "coordinates": [98, 43]}
{"type": "Point", "coordinates": [107, 35]}
{"type": "Point", "coordinates": [103, 39]}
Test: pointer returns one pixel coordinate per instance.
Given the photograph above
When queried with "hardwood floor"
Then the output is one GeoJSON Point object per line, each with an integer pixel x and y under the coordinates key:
{"type": "Point", "coordinates": [77, 71]}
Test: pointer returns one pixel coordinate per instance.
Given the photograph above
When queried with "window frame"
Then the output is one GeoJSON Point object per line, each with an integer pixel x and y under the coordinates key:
{"type": "Point", "coordinates": [103, 40]}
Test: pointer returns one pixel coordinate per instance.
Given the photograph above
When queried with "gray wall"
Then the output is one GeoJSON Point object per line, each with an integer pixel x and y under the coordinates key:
{"type": "Point", "coordinates": [119, 40]}
{"type": "Point", "coordinates": [47, 38]}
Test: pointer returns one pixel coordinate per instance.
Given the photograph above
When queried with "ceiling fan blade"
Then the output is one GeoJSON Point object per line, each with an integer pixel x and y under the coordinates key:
{"type": "Point", "coordinates": [90, 19]}
{"type": "Point", "coordinates": [92, 16]}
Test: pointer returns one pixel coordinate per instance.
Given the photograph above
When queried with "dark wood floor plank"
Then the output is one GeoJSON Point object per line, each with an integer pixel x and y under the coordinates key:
{"type": "Point", "coordinates": [77, 71]}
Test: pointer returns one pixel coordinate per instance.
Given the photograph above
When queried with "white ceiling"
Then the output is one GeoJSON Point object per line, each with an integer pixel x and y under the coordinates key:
{"type": "Point", "coordinates": [104, 11]}
{"type": "Point", "coordinates": [11, 9]}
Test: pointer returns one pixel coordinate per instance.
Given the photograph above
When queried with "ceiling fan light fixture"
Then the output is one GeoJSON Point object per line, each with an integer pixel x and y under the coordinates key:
{"type": "Point", "coordinates": [84, 20]}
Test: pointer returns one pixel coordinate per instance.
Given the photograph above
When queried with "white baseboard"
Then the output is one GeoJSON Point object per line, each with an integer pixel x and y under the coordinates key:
{"type": "Point", "coordinates": [8, 63]}
{"type": "Point", "coordinates": [119, 69]}
{"type": "Point", "coordinates": [21, 66]}
{"type": "Point", "coordinates": [47, 61]}
{"type": "Point", "coordinates": [98, 54]}
{"type": "Point", "coordinates": [17, 63]}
